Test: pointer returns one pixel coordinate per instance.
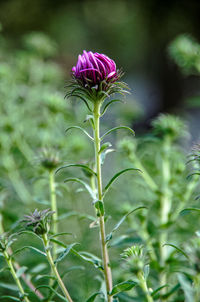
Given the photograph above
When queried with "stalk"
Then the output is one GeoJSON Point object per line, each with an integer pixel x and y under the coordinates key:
{"type": "Point", "coordinates": [105, 256]}
{"type": "Point", "coordinates": [54, 269]}
{"type": "Point", "coordinates": [165, 207]}
{"type": "Point", "coordinates": [12, 270]}
{"type": "Point", "coordinates": [143, 285]}
{"type": "Point", "coordinates": [53, 208]}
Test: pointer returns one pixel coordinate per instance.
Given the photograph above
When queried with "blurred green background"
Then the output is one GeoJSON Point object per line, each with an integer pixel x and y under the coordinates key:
{"type": "Point", "coordinates": [156, 45]}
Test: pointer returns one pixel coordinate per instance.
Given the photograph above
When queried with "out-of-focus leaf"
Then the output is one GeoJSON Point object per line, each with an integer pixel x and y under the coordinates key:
{"type": "Point", "coordinates": [104, 147]}
{"type": "Point", "coordinates": [178, 249]}
{"type": "Point", "coordinates": [187, 288]}
{"type": "Point", "coordinates": [10, 297]}
{"type": "Point", "coordinates": [9, 286]}
{"type": "Point", "coordinates": [21, 271]}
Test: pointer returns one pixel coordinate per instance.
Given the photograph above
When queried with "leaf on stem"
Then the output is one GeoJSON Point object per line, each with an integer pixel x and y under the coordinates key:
{"type": "Point", "coordinates": [116, 176]}
{"type": "Point", "coordinates": [108, 104]}
{"type": "Point", "coordinates": [65, 252]}
{"type": "Point", "coordinates": [80, 128]}
{"type": "Point", "coordinates": [104, 147]}
{"type": "Point", "coordinates": [28, 247]}
{"type": "Point", "coordinates": [10, 297]}
{"type": "Point", "coordinates": [93, 297]}
{"type": "Point", "coordinates": [187, 210]}
{"type": "Point", "coordinates": [77, 165]}
{"type": "Point", "coordinates": [117, 128]}
{"type": "Point", "coordinates": [109, 236]}
{"type": "Point", "coordinates": [88, 188]}
{"type": "Point", "coordinates": [178, 249]}
{"type": "Point", "coordinates": [52, 290]}
{"type": "Point", "coordinates": [122, 287]}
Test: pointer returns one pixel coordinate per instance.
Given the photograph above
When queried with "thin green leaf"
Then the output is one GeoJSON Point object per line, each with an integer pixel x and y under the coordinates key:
{"type": "Point", "coordinates": [109, 236]}
{"type": "Point", "coordinates": [187, 210]}
{"type": "Point", "coordinates": [108, 104]}
{"type": "Point", "coordinates": [178, 249]}
{"type": "Point", "coordinates": [28, 247]}
{"type": "Point", "coordinates": [104, 153]}
{"type": "Point", "coordinates": [10, 297]}
{"type": "Point", "coordinates": [158, 289]}
{"type": "Point", "coordinates": [9, 286]}
{"type": "Point", "coordinates": [65, 252]}
{"type": "Point", "coordinates": [60, 234]}
{"type": "Point", "coordinates": [21, 271]}
{"type": "Point", "coordinates": [122, 287]}
{"type": "Point", "coordinates": [117, 128]}
{"type": "Point", "coordinates": [88, 188]}
{"type": "Point", "coordinates": [99, 206]}
{"type": "Point", "coordinates": [80, 128]}
{"type": "Point", "coordinates": [77, 165]}
{"type": "Point", "coordinates": [104, 147]}
{"type": "Point", "coordinates": [116, 176]}
{"type": "Point", "coordinates": [93, 297]}
{"type": "Point", "coordinates": [53, 290]}
{"type": "Point", "coordinates": [186, 287]}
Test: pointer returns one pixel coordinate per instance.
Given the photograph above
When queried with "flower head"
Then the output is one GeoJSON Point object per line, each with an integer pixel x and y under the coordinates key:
{"type": "Point", "coordinates": [93, 68]}
{"type": "Point", "coordinates": [39, 221]}
{"type": "Point", "coordinates": [94, 78]}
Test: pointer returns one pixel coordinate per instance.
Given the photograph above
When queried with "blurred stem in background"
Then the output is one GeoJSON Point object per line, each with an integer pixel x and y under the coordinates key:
{"type": "Point", "coordinates": [97, 145]}
{"type": "Point", "coordinates": [143, 285]}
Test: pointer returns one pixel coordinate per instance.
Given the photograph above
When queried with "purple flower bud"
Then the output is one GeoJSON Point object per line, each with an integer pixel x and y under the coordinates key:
{"type": "Point", "coordinates": [93, 68]}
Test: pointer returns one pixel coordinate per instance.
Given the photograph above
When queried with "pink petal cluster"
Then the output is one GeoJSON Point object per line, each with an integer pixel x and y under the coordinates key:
{"type": "Point", "coordinates": [93, 68]}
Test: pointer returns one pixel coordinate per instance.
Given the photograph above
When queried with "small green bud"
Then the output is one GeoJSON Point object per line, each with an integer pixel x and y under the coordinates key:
{"type": "Point", "coordinates": [136, 257]}
{"type": "Point", "coordinates": [166, 125]}
{"type": "Point", "coordinates": [49, 159]}
{"type": "Point", "coordinates": [128, 146]}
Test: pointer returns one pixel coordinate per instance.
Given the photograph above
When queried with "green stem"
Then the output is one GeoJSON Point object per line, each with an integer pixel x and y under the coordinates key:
{"type": "Point", "coordinates": [53, 208]}
{"type": "Point", "coordinates": [54, 269]}
{"type": "Point", "coordinates": [144, 287]}
{"type": "Point", "coordinates": [17, 281]}
{"type": "Point", "coordinates": [165, 207]}
{"type": "Point", "coordinates": [105, 256]}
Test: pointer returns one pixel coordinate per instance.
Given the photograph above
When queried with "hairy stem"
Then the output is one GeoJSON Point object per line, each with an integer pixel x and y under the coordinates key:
{"type": "Point", "coordinates": [105, 256]}
{"type": "Point", "coordinates": [144, 287]}
{"type": "Point", "coordinates": [54, 268]}
{"type": "Point", "coordinates": [15, 277]}
{"type": "Point", "coordinates": [53, 208]}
